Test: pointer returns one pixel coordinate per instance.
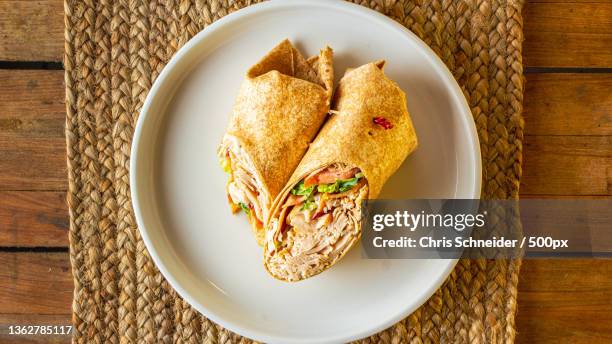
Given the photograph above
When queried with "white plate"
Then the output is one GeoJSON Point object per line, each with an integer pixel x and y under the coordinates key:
{"type": "Point", "coordinates": [210, 256]}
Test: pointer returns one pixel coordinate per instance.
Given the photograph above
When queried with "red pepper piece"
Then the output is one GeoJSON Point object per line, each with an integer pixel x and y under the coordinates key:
{"type": "Point", "coordinates": [383, 122]}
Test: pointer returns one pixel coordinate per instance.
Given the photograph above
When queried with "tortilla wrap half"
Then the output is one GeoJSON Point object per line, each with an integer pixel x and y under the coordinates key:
{"type": "Point", "coordinates": [316, 219]}
{"type": "Point", "coordinates": [280, 107]}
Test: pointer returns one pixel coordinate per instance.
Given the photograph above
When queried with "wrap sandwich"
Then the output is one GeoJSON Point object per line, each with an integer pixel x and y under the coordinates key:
{"type": "Point", "coordinates": [316, 218]}
{"type": "Point", "coordinates": [280, 107]}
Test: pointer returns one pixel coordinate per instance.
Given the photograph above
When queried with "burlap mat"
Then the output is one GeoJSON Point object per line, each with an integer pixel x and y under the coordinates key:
{"type": "Point", "coordinates": [116, 49]}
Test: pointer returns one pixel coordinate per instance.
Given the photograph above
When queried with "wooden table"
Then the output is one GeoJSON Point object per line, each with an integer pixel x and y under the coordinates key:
{"type": "Point", "coordinates": [567, 152]}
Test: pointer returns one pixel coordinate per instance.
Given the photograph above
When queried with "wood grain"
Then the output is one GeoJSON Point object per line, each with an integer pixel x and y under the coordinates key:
{"type": "Point", "coordinates": [32, 142]}
{"type": "Point", "coordinates": [568, 35]}
{"type": "Point", "coordinates": [32, 30]}
{"type": "Point", "coordinates": [565, 301]}
{"type": "Point", "coordinates": [33, 219]}
{"type": "Point", "coordinates": [35, 283]}
{"type": "Point", "coordinates": [32, 102]}
{"type": "Point", "coordinates": [567, 165]}
{"type": "Point", "coordinates": [568, 104]}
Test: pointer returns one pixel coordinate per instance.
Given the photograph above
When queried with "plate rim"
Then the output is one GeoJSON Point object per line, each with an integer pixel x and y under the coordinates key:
{"type": "Point", "coordinates": [253, 10]}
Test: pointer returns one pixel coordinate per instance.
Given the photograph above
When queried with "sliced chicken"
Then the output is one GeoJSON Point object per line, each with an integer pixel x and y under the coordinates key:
{"type": "Point", "coordinates": [304, 240]}
{"type": "Point", "coordinates": [243, 188]}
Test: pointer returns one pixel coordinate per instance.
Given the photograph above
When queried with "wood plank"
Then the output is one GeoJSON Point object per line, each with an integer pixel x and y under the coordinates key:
{"type": "Point", "coordinates": [567, 165]}
{"type": "Point", "coordinates": [33, 219]}
{"type": "Point", "coordinates": [32, 30]}
{"type": "Point", "coordinates": [7, 320]}
{"type": "Point", "coordinates": [35, 164]}
{"type": "Point", "coordinates": [568, 35]}
{"type": "Point", "coordinates": [32, 142]}
{"type": "Point", "coordinates": [32, 102]}
{"type": "Point", "coordinates": [565, 300]}
{"type": "Point", "coordinates": [35, 283]}
{"type": "Point", "coordinates": [568, 104]}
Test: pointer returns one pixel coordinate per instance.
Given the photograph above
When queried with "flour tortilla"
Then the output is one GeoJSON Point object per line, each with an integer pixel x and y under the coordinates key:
{"type": "Point", "coordinates": [279, 109]}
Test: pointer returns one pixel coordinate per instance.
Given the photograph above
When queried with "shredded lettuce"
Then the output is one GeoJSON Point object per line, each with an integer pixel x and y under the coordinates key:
{"type": "Point", "coordinates": [347, 184]}
{"type": "Point", "coordinates": [301, 190]}
{"type": "Point", "coordinates": [340, 185]}
{"type": "Point", "coordinates": [328, 188]}
{"type": "Point", "coordinates": [309, 205]}
{"type": "Point", "coordinates": [245, 208]}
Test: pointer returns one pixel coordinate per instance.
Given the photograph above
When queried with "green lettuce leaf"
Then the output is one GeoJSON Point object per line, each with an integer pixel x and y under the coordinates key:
{"type": "Point", "coordinates": [301, 190]}
{"type": "Point", "coordinates": [347, 184]}
{"type": "Point", "coordinates": [329, 188]}
{"type": "Point", "coordinates": [309, 205]}
{"type": "Point", "coordinates": [245, 208]}
{"type": "Point", "coordinates": [340, 185]}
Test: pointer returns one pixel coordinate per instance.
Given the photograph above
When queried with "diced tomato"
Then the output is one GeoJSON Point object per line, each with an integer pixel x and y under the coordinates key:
{"type": "Point", "coordinates": [258, 223]}
{"type": "Point", "coordinates": [253, 218]}
{"type": "Point", "coordinates": [328, 176]}
{"type": "Point", "coordinates": [317, 215]}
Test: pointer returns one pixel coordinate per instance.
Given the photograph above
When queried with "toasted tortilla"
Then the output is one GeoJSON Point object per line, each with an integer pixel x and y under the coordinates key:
{"type": "Point", "coordinates": [280, 107]}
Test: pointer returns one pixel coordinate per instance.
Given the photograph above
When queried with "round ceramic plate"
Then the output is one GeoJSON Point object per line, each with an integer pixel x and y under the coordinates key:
{"type": "Point", "coordinates": [208, 255]}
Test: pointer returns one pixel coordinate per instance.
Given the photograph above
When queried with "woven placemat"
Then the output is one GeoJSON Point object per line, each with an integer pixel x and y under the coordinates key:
{"type": "Point", "coordinates": [116, 49]}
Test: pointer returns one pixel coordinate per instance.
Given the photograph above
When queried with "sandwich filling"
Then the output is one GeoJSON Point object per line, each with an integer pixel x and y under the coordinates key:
{"type": "Point", "coordinates": [317, 223]}
{"type": "Point", "coordinates": [244, 190]}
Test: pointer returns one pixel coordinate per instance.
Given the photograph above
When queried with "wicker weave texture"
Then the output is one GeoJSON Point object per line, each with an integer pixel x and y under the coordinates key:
{"type": "Point", "coordinates": [116, 49]}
